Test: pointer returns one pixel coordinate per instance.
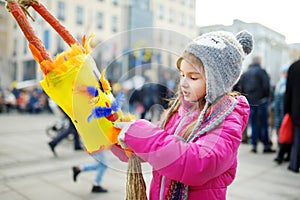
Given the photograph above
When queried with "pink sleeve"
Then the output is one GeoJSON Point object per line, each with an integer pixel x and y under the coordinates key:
{"type": "Point", "coordinates": [119, 152]}
{"type": "Point", "coordinates": [191, 163]}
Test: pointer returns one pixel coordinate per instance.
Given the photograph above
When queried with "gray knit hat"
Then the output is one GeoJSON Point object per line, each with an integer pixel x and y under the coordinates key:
{"type": "Point", "coordinates": [222, 54]}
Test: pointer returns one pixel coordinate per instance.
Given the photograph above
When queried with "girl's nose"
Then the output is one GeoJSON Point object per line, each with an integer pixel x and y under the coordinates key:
{"type": "Point", "coordinates": [184, 82]}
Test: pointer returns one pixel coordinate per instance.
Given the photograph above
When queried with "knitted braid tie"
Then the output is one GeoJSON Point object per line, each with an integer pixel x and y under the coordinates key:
{"type": "Point", "coordinates": [224, 108]}
{"type": "Point", "coordinates": [135, 184]}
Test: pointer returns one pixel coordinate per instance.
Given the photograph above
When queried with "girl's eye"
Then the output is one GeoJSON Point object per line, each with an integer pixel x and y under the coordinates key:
{"type": "Point", "coordinates": [194, 77]}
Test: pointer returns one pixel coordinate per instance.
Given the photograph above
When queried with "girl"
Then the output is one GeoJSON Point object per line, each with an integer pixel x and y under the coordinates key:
{"type": "Point", "coordinates": [194, 151]}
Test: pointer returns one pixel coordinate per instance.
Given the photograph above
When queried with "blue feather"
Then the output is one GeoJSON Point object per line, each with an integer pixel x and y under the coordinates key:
{"type": "Point", "coordinates": [92, 91]}
{"type": "Point", "coordinates": [99, 112]}
{"type": "Point", "coordinates": [117, 103]}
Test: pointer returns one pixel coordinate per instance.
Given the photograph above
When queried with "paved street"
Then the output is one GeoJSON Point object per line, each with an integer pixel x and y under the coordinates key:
{"type": "Point", "coordinates": [29, 171]}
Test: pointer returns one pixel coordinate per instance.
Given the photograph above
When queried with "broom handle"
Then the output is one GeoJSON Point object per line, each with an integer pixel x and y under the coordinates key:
{"type": "Point", "coordinates": [29, 33]}
{"type": "Point", "coordinates": [55, 23]}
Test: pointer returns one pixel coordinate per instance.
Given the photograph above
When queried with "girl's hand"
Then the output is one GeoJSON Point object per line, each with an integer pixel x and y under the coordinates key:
{"type": "Point", "coordinates": [124, 126]}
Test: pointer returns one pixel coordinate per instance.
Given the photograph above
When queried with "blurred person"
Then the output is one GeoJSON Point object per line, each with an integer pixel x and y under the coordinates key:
{"type": "Point", "coordinates": [278, 111]}
{"type": "Point", "coordinates": [65, 133]}
{"type": "Point", "coordinates": [278, 101]}
{"type": "Point", "coordinates": [34, 105]}
{"type": "Point", "coordinates": [44, 102]}
{"type": "Point", "coordinates": [292, 106]}
{"type": "Point", "coordinates": [1, 100]}
{"type": "Point", "coordinates": [245, 137]}
{"type": "Point", "coordinates": [255, 84]}
{"type": "Point", "coordinates": [15, 90]}
{"type": "Point", "coordinates": [10, 100]}
{"type": "Point", "coordinates": [23, 101]}
{"type": "Point", "coordinates": [149, 95]}
{"type": "Point", "coordinates": [100, 166]}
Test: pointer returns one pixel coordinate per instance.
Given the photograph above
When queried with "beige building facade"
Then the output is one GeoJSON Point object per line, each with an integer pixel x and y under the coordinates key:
{"type": "Point", "coordinates": [112, 21]}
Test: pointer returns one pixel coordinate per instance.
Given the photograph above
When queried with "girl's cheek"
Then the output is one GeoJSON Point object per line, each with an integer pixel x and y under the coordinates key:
{"type": "Point", "coordinates": [183, 81]}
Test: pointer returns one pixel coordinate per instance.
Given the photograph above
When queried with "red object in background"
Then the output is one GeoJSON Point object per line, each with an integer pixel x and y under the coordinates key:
{"type": "Point", "coordinates": [286, 130]}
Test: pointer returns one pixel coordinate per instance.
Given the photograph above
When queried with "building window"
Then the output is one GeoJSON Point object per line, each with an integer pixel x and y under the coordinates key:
{"type": "Point", "coordinates": [79, 15]}
{"type": "Point", "coordinates": [160, 12]}
{"type": "Point", "coordinates": [191, 22]}
{"type": "Point", "coordinates": [144, 4]}
{"type": "Point", "coordinates": [47, 39]}
{"type": "Point", "coordinates": [114, 24]}
{"type": "Point", "coordinates": [61, 11]}
{"type": "Point", "coordinates": [14, 71]}
{"type": "Point", "coordinates": [15, 47]}
{"type": "Point", "coordinates": [99, 20]}
{"type": "Point", "coordinates": [132, 3]}
{"type": "Point", "coordinates": [25, 46]}
{"type": "Point", "coordinates": [60, 45]}
{"type": "Point", "coordinates": [171, 15]}
{"type": "Point", "coordinates": [29, 70]}
{"type": "Point", "coordinates": [115, 2]}
{"type": "Point", "coordinates": [191, 3]}
{"type": "Point", "coordinates": [181, 20]}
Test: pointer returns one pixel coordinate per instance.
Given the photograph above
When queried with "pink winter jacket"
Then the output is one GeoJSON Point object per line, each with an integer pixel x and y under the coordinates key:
{"type": "Point", "coordinates": [207, 165]}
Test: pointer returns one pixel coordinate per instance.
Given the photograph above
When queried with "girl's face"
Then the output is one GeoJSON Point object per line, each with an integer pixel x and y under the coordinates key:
{"type": "Point", "coordinates": [192, 81]}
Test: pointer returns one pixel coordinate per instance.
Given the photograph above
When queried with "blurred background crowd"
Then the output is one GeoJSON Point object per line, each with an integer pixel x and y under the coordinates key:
{"type": "Point", "coordinates": [23, 100]}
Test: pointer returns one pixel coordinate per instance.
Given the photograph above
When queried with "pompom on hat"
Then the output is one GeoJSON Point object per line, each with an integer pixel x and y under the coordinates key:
{"type": "Point", "coordinates": [222, 54]}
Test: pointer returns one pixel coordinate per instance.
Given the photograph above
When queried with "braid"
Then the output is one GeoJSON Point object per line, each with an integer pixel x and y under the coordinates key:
{"type": "Point", "coordinates": [174, 107]}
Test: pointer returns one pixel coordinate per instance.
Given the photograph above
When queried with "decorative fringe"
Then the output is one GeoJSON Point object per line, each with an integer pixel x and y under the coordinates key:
{"type": "Point", "coordinates": [135, 184]}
